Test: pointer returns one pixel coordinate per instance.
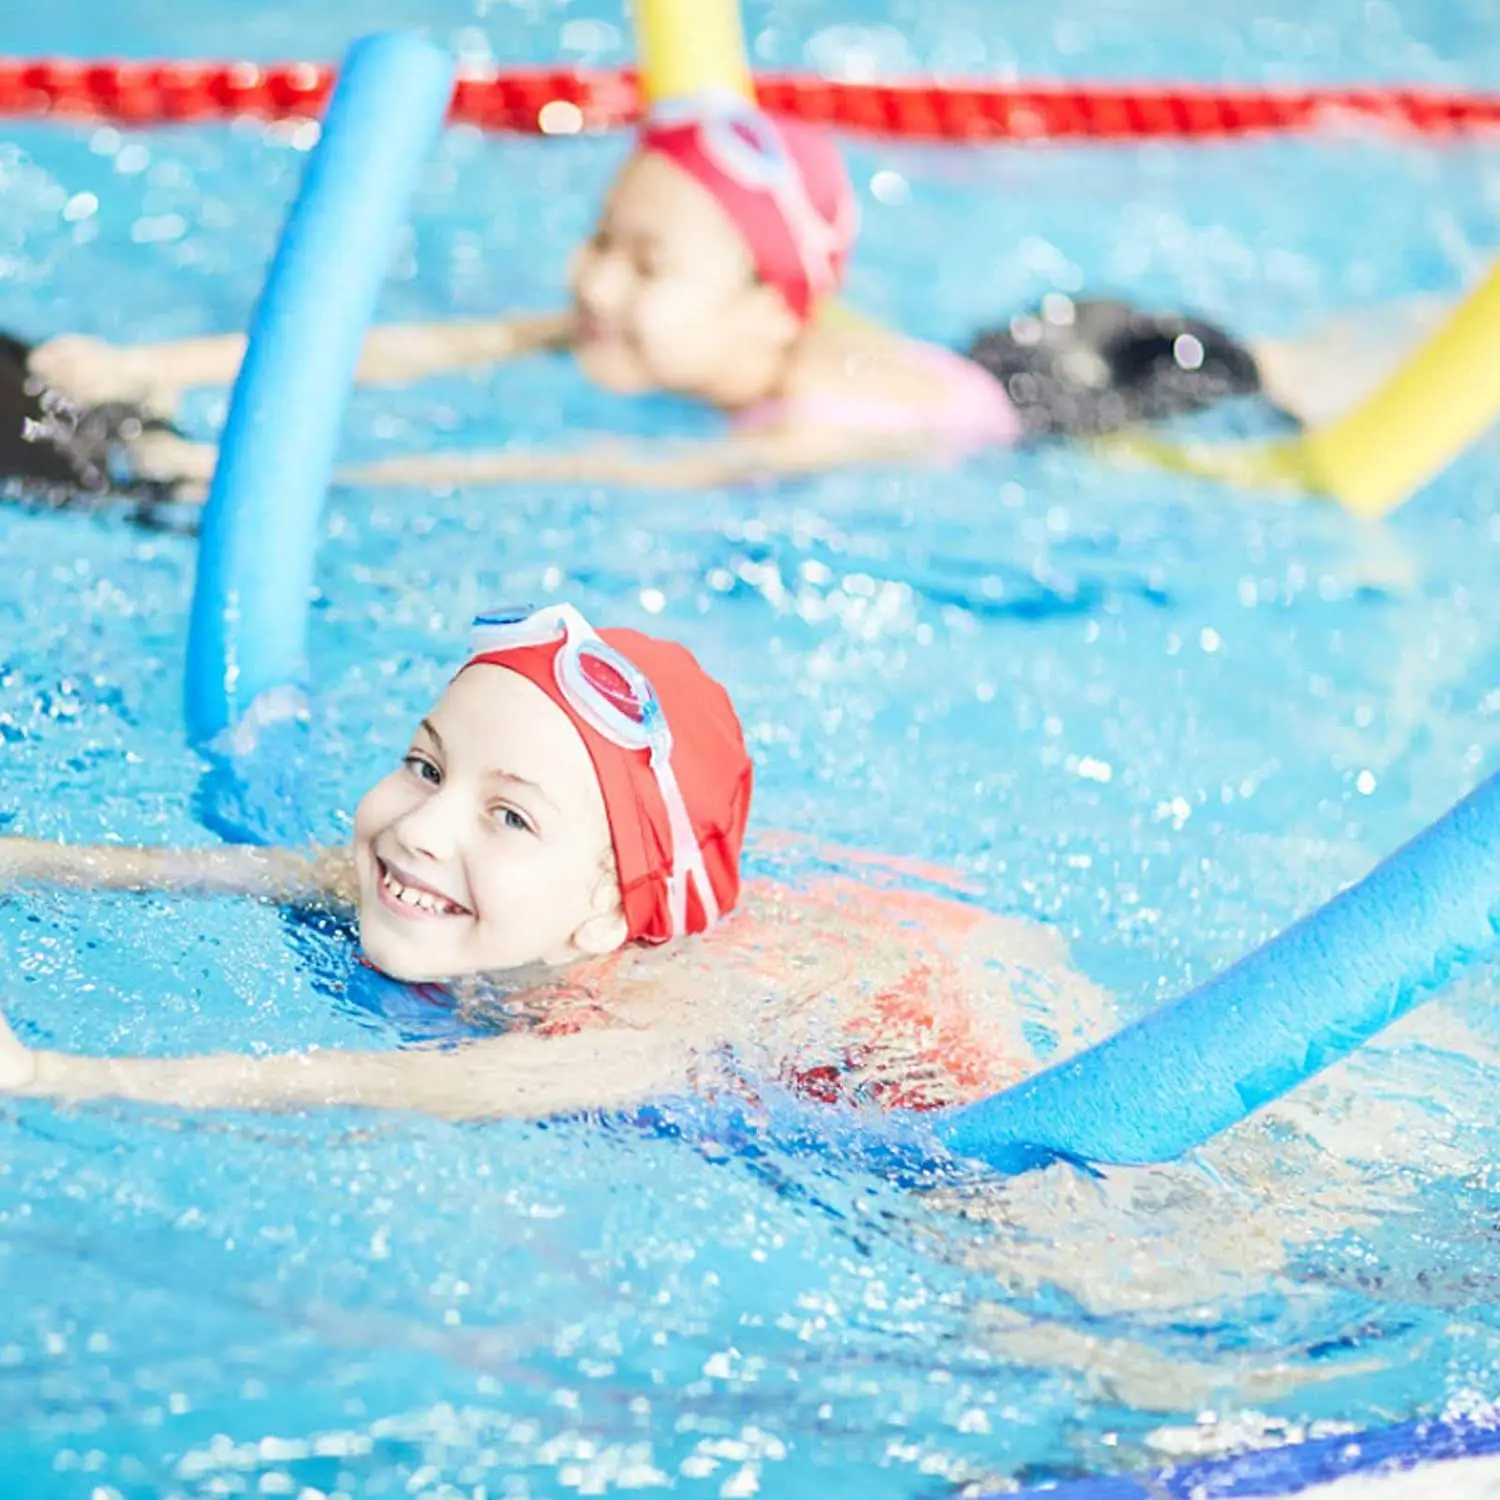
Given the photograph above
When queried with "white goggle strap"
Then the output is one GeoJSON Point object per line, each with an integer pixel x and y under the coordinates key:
{"type": "Point", "coordinates": [713, 103]}
{"type": "Point", "coordinates": [687, 855]}
{"type": "Point", "coordinates": [817, 243]}
{"type": "Point", "coordinates": [815, 239]}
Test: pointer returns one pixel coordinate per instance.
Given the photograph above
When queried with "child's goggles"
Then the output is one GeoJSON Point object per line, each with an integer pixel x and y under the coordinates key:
{"type": "Point", "coordinates": [613, 697]}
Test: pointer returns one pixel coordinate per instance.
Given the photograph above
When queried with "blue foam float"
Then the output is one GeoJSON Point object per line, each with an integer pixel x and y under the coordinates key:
{"type": "Point", "coordinates": [1305, 999]}
{"type": "Point", "coordinates": [247, 636]}
{"type": "Point", "coordinates": [1292, 1467]}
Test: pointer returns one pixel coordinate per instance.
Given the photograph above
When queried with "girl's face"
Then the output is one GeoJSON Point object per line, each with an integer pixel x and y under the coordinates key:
{"type": "Point", "coordinates": [666, 297]}
{"type": "Point", "coordinates": [488, 848]}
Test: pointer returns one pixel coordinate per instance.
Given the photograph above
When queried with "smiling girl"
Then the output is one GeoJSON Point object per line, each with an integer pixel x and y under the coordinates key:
{"type": "Point", "coordinates": [553, 873]}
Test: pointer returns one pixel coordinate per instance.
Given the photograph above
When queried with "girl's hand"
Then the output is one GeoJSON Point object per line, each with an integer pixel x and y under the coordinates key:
{"type": "Point", "coordinates": [92, 372]}
{"type": "Point", "coordinates": [17, 1063]}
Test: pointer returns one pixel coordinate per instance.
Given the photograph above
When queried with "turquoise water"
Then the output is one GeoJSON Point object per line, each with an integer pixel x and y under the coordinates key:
{"type": "Point", "coordinates": [1159, 717]}
{"type": "Point", "coordinates": [1452, 43]}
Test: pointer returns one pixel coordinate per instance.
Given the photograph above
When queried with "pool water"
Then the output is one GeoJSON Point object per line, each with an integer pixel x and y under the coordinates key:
{"type": "Point", "coordinates": [1160, 717]}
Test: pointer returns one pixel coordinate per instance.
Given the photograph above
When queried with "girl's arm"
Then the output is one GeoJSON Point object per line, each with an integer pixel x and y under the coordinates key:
{"type": "Point", "coordinates": [279, 875]}
{"type": "Point", "coordinates": [189, 466]}
{"type": "Point", "coordinates": [1326, 372]}
{"type": "Point", "coordinates": [514, 1076]}
{"type": "Point", "coordinates": [153, 376]}
{"type": "Point", "coordinates": [703, 466]}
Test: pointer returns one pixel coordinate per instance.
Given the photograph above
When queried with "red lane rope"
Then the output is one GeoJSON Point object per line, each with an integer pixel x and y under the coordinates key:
{"type": "Point", "coordinates": [561, 101]}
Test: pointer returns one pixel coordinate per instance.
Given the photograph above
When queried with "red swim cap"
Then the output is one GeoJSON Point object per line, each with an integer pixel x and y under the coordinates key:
{"type": "Point", "coordinates": [783, 184]}
{"type": "Point", "coordinates": [709, 760]}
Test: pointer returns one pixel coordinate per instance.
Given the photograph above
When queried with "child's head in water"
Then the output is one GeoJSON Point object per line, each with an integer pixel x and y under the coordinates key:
{"type": "Point", "coordinates": [532, 821]}
{"type": "Point", "coordinates": [718, 242]}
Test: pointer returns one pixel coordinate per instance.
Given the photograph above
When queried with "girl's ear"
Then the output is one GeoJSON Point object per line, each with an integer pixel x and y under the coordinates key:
{"type": "Point", "coordinates": [605, 929]}
{"type": "Point", "coordinates": [773, 314]}
{"type": "Point", "coordinates": [602, 934]}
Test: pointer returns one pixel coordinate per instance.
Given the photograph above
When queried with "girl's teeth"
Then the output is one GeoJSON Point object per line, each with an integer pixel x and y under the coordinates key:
{"type": "Point", "coordinates": [410, 897]}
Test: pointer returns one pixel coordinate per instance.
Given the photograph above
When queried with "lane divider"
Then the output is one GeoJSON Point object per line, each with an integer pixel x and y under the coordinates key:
{"type": "Point", "coordinates": [560, 101]}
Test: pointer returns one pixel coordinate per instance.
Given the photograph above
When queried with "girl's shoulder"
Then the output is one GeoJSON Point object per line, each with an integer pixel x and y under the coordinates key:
{"type": "Point", "coordinates": [846, 989]}
{"type": "Point", "coordinates": [868, 991]}
{"type": "Point", "coordinates": [872, 378]}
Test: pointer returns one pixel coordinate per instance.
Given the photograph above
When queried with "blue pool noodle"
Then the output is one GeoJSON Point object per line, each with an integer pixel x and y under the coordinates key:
{"type": "Point", "coordinates": [1294, 1467]}
{"type": "Point", "coordinates": [247, 635]}
{"type": "Point", "coordinates": [1305, 999]}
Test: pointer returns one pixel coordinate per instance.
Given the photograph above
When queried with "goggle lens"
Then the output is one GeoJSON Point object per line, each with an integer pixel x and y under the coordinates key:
{"type": "Point", "coordinates": [612, 685]}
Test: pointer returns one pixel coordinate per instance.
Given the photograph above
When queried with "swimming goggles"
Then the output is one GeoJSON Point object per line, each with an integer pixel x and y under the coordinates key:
{"type": "Point", "coordinates": [615, 699]}
{"type": "Point", "coordinates": [745, 145]}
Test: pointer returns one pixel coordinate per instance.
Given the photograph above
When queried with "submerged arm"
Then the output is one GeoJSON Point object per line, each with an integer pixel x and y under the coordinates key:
{"type": "Point", "coordinates": [400, 353]}
{"type": "Point", "coordinates": [280, 875]}
{"type": "Point", "coordinates": [1326, 372]}
{"type": "Point", "coordinates": [189, 467]}
{"type": "Point", "coordinates": [703, 466]}
{"type": "Point", "coordinates": [515, 1076]}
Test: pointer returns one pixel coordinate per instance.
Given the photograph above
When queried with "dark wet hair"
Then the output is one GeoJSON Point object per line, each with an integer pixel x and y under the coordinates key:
{"type": "Point", "coordinates": [57, 455]}
{"type": "Point", "coordinates": [1086, 367]}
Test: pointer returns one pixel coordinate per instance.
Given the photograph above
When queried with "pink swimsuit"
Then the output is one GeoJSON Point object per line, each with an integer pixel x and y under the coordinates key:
{"type": "Point", "coordinates": [975, 414]}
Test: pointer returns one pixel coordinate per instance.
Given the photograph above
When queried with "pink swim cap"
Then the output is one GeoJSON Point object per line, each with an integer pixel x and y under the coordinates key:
{"type": "Point", "coordinates": [782, 184]}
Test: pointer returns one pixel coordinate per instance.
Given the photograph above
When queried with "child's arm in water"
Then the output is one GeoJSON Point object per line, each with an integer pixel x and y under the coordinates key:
{"type": "Point", "coordinates": [1324, 373]}
{"type": "Point", "coordinates": [511, 1076]}
{"type": "Point", "coordinates": [736, 460]}
{"type": "Point", "coordinates": [154, 376]}
{"type": "Point", "coordinates": [739, 460]}
{"type": "Point", "coordinates": [860, 995]}
{"type": "Point", "coordinates": [283, 876]}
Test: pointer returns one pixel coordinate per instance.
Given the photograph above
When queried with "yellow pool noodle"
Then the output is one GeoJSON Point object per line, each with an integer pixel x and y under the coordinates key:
{"type": "Point", "coordinates": [1392, 443]}
{"type": "Point", "coordinates": [689, 47]}
{"type": "Point", "coordinates": [1423, 417]}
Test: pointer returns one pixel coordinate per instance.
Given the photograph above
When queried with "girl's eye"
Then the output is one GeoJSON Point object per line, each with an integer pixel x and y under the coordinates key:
{"type": "Point", "coordinates": [422, 768]}
{"type": "Point", "coordinates": [513, 821]}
